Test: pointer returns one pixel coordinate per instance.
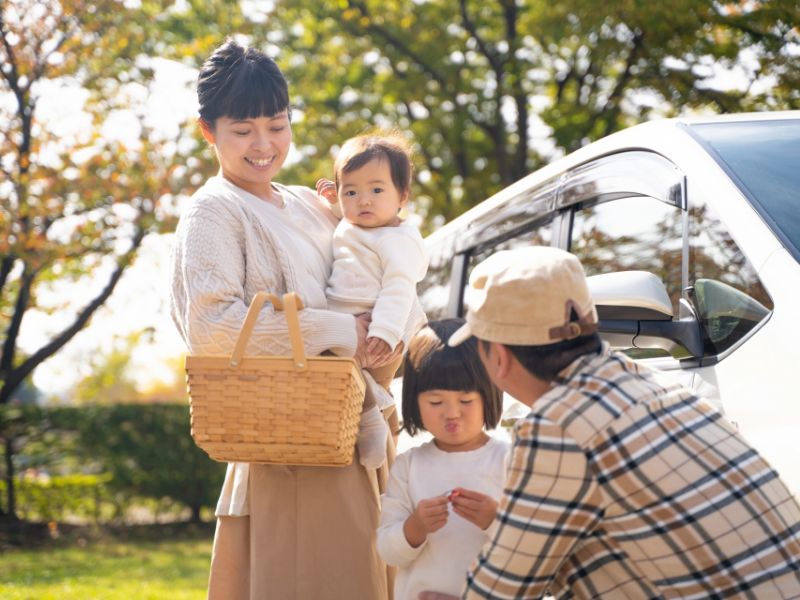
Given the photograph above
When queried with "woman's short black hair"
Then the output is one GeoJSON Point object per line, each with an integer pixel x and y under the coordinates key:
{"type": "Point", "coordinates": [431, 364]}
{"type": "Point", "coordinates": [240, 83]}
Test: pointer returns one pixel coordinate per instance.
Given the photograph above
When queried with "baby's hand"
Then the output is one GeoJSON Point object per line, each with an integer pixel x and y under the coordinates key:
{"type": "Point", "coordinates": [327, 189]}
{"type": "Point", "coordinates": [378, 351]}
{"type": "Point", "coordinates": [475, 507]}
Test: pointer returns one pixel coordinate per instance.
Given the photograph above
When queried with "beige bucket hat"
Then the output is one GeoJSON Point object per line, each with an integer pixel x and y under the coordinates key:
{"type": "Point", "coordinates": [525, 297]}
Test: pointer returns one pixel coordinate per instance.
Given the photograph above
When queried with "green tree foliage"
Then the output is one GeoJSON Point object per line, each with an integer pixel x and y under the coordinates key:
{"type": "Point", "coordinates": [476, 83]}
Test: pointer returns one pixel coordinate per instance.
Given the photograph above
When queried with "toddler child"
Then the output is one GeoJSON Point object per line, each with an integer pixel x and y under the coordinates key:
{"type": "Point", "coordinates": [442, 496]}
{"type": "Point", "coordinates": [378, 258]}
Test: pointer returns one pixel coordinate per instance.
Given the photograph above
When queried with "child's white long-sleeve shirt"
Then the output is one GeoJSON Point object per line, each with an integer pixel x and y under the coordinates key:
{"type": "Point", "coordinates": [440, 564]}
{"type": "Point", "coordinates": [377, 269]}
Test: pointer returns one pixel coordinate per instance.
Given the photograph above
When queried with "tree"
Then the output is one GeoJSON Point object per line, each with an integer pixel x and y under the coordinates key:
{"type": "Point", "coordinates": [75, 208]}
{"type": "Point", "coordinates": [480, 84]}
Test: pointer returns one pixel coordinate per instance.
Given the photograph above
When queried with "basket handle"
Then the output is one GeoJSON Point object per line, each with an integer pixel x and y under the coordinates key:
{"type": "Point", "coordinates": [290, 304]}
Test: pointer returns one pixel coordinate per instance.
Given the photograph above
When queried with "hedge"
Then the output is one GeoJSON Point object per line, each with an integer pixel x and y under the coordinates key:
{"type": "Point", "coordinates": [126, 450]}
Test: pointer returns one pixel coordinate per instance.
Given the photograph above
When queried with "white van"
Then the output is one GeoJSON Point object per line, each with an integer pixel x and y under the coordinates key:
{"type": "Point", "coordinates": [690, 229]}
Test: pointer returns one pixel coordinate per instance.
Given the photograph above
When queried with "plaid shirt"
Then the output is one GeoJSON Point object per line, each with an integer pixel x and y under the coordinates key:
{"type": "Point", "coordinates": [624, 485]}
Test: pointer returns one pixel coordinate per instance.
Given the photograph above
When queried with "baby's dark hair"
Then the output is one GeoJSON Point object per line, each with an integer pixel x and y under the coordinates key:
{"type": "Point", "coordinates": [240, 83]}
{"type": "Point", "coordinates": [431, 364]}
{"type": "Point", "coordinates": [384, 145]}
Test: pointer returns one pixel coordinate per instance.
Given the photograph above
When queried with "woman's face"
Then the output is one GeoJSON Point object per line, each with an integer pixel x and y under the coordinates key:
{"type": "Point", "coordinates": [251, 151]}
{"type": "Point", "coordinates": [454, 418]}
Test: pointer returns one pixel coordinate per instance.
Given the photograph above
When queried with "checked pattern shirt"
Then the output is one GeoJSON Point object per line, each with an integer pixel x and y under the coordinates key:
{"type": "Point", "coordinates": [622, 484]}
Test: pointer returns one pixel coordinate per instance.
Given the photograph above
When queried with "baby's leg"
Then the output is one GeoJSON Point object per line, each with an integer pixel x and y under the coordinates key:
{"type": "Point", "coordinates": [372, 429]}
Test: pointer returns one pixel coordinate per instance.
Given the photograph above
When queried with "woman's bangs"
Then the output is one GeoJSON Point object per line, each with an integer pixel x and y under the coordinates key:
{"type": "Point", "coordinates": [252, 96]}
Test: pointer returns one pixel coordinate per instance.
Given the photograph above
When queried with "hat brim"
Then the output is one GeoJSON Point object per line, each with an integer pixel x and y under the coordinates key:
{"type": "Point", "coordinates": [461, 335]}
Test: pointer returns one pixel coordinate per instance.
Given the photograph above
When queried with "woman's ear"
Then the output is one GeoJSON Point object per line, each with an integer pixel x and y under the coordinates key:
{"type": "Point", "coordinates": [207, 130]}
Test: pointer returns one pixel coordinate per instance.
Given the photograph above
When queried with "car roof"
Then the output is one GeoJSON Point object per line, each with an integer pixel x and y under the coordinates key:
{"type": "Point", "coordinates": [635, 137]}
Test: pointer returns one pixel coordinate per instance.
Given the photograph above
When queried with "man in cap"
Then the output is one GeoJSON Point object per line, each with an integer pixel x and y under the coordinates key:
{"type": "Point", "coordinates": [622, 484]}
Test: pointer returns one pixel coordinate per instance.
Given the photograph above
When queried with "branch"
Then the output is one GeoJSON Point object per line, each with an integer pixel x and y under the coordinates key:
{"type": "Point", "coordinates": [20, 306]}
{"type": "Point", "coordinates": [14, 377]}
{"type": "Point", "coordinates": [494, 61]}
{"type": "Point", "coordinates": [5, 269]}
{"type": "Point", "coordinates": [611, 106]}
{"type": "Point", "coordinates": [398, 45]}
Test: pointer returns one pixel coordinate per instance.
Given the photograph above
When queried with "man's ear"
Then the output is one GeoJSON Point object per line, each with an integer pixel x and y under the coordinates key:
{"type": "Point", "coordinates": [206, 130]}
{"type": "Point", "coordinates": [503, 359]}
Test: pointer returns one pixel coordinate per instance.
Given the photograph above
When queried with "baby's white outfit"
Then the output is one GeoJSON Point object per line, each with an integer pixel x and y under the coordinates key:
{"type": "Point", "coordinates": [377, 269]}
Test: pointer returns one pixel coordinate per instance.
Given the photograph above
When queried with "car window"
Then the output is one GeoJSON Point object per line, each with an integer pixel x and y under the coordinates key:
{"type": "Point", "coordinates": [539, 234]}
{"type": "Point", "coordinates": [726, 291]}
{"type": "Point", "coordinates": [434, 289]}
{"type": "Point", "coordinates": [631, 234]}
{"type": "Point", "coordinates": [762, 159]}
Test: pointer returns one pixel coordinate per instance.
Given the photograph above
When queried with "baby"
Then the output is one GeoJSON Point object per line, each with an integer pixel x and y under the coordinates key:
{"type": "Point", "coordinates": [378, 258]}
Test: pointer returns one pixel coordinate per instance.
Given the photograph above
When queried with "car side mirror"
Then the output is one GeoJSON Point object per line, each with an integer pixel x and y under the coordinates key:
{"type": "Point", "coordinates": [725, 313]}
{"type": "Point", "coordinates": [635, 311]}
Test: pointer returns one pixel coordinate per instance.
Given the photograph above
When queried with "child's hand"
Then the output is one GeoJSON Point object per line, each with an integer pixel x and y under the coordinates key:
{"type": "Point", "coordinates": [327, 189]}
{"type": "Point", "coordinates": [378, 351]}
{"type": "Point", "coordinates": [475, 507]}
{"type": "Point", "coordinates": [430, 515]}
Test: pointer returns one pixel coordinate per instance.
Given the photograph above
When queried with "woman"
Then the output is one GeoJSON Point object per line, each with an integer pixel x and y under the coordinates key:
{"type": "Point", "coordinates": [282, 532]}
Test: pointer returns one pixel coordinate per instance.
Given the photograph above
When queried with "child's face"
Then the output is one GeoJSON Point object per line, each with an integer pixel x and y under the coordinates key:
{"type": "Point", "coordinates": [368, 197]}
{"type": "Point", "coordinates": [454, 418]}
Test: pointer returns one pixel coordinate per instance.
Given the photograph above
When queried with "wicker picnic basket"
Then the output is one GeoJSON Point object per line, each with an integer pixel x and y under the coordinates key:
{"type": "Point", "coordinates": [293, 410]}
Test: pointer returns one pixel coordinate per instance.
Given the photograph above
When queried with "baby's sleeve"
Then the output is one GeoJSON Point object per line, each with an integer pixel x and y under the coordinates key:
{"type": "Point", "coordinates": [404, 263]}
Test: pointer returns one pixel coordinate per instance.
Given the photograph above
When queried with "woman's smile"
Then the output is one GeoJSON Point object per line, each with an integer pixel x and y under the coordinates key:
{"type": "Point", "coordinates": [260, 163]}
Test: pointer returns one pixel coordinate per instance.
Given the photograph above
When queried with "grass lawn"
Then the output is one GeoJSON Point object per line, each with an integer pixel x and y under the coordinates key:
{"type": "Point", "coordinates": [157, 563]}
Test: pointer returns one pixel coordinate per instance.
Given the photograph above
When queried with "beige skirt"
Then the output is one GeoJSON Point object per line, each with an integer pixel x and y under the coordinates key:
{"type": "Point", "coordinates": [310, 534]}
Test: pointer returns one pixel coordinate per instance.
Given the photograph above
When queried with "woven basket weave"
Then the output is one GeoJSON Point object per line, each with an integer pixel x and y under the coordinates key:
{"type": "Point", "coordinates": [293, 410]}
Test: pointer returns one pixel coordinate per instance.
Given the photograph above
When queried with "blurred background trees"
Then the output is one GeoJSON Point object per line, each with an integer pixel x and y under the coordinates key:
{"type": "Point", "coordinates": [491, 90]}
{"type": "Point", "coordinates": [488, 91]}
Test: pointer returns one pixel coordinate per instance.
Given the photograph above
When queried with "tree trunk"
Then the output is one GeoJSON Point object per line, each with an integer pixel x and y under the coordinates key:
{"type": "Point", "coordinates": [10, 514]}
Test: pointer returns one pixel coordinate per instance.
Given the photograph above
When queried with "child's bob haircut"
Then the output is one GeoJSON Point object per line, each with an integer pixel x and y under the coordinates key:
{"type": "Point", "coordinates": [431, 364]}
{"type": "Point", "coordinates": [390, 146]}
{"type": "Point", "coordinates": [240, 83]}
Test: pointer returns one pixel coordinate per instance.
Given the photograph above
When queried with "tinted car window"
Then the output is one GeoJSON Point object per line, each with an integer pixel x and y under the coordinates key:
{"type": "Point", "coordinates": [726, 292]}
{"type": "Point", "coordinates": [631, 234]}
{"type": "Point", "coordinates": [538, 235]}
{"type": "Point", "coordinates": [763, 159]}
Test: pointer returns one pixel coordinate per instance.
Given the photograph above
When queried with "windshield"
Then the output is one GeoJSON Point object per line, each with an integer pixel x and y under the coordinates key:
{"type": "Point", "coordinates": [763, 159]}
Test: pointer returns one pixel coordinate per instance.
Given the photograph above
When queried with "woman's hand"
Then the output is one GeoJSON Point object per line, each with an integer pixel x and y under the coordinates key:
{"type": "Point", "coordinates": [475, 507]}
{"type": "Point", "coordinates": [430, 515]}
{"type": "Point", "coordinates": [379, 353]}
{"type": "Point", "coordinates": [435, 596]}
{"type": "Point", "coordinates": [327, 189]}
{"type": "Point", "coordinates": [362, 327]}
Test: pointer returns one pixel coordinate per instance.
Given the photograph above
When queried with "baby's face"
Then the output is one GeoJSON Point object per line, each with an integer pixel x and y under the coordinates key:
{"type": "Point", "coordinates": [368, 197]}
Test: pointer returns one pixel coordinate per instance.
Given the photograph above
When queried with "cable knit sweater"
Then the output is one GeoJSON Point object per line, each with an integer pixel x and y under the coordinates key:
{"type": "Point", "coordinates": [229, 245]}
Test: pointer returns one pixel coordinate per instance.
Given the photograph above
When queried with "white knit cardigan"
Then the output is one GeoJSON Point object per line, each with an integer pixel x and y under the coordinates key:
{"type": "Point", "coordinates": [229, 245]}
